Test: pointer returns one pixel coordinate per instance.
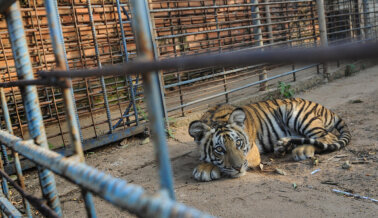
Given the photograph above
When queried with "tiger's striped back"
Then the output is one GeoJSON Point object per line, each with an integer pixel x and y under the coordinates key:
{"type": "Point", "coordinates": [300, 119]}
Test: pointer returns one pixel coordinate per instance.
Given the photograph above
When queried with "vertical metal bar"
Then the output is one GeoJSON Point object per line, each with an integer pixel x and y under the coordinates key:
{"type": "Point", "coordinates": [48, 100]}
{"type": "Point", "coordinates": [323, 32]}
{"type": "Point", "coordinates": [78, 37]}
{"type": "Point", "coordinates": [220, 51]}
{"type": "Point", "coordinates": [144, 42]}
{"type": "Point", "coordinates": [375, 20]}
{"type": "Point", "coordinates": [178, 74]}
{"type": "Point", "coordinates": [71, 114]}
{"type": "Point", "coordinates": [83, 61]}
{"type": "Point", "coordinates": [181, 94]}
{"type": "Point", "coordinates": [90, 100]}
{"type": "Point", "coordinates": [322, 22]}
{"type": "Point", "coordinates": [102, 80]}
{"type": "Point", "coordinates": [4, 182]}
{"type": "Point", "coordinates": [182, 50]}
{"type": "Point", "coordinates": [112, 59]}
{"type": "Point", "coordinates": [289, 26]}
{"type": "Point", "coordinates": [31, 102]}
{"type": "Point", "coordinates": [127, 59]}
{"type": "Point", "coordinates": [350, 20]}
{"type": "Point", "coordinates": [54, 15]}
{"type": "Point", "coordinates": [160, 75]}
{"type": "Point", "coordinates": [361, 19]}
{"type": "Point", "coordinates": [46, 67]}
{"type": "Point", "coordinates": [12, 89]}
{"type": "Point", "coordinates": [255, 14]}
{"type": "Point", "coordinates": [16, 158]}
{"type": "Point", "coordinates": [314, 31]}
{"type": "Point", "coordinates": [365, 8]}
{"type": "Point", "coordinates": [4, 155]}
{"type": "Point", "coordinates": [294, 74]}
{"type": "Point", "coordinates": [39, 53]}
{"type": "Point", "coordinates": [269, 22]}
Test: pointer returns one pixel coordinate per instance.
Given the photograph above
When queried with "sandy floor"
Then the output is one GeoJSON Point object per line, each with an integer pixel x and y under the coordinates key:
{"type": "Point", "coordinates": [260, 194]}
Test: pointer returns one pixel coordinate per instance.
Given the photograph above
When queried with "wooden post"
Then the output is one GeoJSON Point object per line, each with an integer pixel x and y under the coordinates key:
{"type": "Point", "coordinates": [366, 20]}
{"type": "Point", "coordinates": [263, 75]}
{"type": "Point", "coordinates": [255, 14]}
{"type": "Point", "coordinates": [323, 32]}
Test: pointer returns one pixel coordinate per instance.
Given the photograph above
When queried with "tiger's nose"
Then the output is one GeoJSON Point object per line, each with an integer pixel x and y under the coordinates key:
{"type": "Point", "coordinates": [238, 168]}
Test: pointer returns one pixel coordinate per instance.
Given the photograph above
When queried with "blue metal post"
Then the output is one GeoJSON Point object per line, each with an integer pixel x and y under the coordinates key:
{"type": "Point", "coordinates": [30, 98]}
{"type": "Point", "coordinates": [54, 14]}
{"type": "Point", "coordinates": [126, 58]}
{"type": "Point", "coordinates": [4, 182]}
{"type": "Point", "coordinates": [16, 158]}
{"type": "Point", "coordinates": [144, 42]}
{"type": "Point", "coordinates": [4, 155]}
{"type": "Point", "coordinates": [102, 80]}
{"type": "Point", "coordinates": [8, 209]}
{"type": "Point", "coordinates": [116, 191]}
{"type": "Point", "coordinates": [72, 120]}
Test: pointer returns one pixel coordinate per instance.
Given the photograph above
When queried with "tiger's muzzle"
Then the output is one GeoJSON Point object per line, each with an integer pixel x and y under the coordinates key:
{"type": "Point", "coordinates": [236, 171]}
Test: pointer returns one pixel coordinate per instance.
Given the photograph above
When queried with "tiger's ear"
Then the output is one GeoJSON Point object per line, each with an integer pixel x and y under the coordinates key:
{"type": "Point", "coordinates": [238, 117]}
{"type": "Point", "coordinates": [197, 130]}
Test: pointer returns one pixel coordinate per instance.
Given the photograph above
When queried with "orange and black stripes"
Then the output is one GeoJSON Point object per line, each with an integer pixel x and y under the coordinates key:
{"type": "Point", "coordinates": [297, 118]}
{"type": "Point", "coordinates": [273, 125]}
{"type": "Point", "coordinates": [304, 122]}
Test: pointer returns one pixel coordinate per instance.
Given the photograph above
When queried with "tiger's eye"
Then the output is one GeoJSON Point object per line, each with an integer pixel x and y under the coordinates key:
{"type": "Point", "coordinates": [219, 149]}
{"type": "Point", "coordinates": [239, 142]}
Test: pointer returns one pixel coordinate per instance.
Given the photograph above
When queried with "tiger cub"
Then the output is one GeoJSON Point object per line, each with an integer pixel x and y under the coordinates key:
{"type": "Point", "coordinates": [230, 139]}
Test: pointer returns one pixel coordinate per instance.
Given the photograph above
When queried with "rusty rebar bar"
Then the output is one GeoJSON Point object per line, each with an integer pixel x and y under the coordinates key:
{"type": "Point", "coordinates": [42, 82]}
{"type": "Point", "coordinates": [37, 203]}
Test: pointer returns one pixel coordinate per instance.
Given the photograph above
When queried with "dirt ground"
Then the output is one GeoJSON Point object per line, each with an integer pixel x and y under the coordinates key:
{"type": "Point", "coordinates": [261, 194]}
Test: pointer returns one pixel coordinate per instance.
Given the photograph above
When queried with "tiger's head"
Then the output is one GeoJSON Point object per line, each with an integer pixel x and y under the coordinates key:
{"type": "Point", "coordinates": [225, 144]}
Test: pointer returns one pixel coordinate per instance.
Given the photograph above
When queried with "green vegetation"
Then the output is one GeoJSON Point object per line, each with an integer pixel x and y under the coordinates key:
{"type": "Point", "coordinates": [51, 146]}
{"type": "Point", "coordinates": [285, 90]}
{"type": "Point", "coordinates": [172, 121]}
{"type": "Point", "coordinates": [350, 69]}
{"type": "Point", "coordinates": [363, 66]}
{"type": "Point", "coordinates": [170, 134]}
{"type": "Point", "coordinates": [141, 112]}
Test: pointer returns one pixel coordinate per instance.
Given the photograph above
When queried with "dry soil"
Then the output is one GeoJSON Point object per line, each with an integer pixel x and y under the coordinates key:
{"type": "Point", "coordinates": [260, 194]}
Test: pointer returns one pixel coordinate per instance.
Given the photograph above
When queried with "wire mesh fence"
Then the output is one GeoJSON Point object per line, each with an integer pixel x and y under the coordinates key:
{"type": "Point", "coordinates": [80, 51]}
{"type": "Point", "coordinates": [194, 27]}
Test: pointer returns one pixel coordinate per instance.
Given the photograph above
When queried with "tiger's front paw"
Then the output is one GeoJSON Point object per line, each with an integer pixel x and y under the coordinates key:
{"type": "Point", "coordinates": [303, 152]}
{"type": "Point", "coordinates": [206, 172]}
{"type": "Point", "coordinates": [283, 141]}
{"type": "Point", "coordinates": [282, 146]}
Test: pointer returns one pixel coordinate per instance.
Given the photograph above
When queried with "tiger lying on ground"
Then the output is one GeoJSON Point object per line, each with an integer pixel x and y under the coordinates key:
{"type": "Point", "coordinates": [230, 139]}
